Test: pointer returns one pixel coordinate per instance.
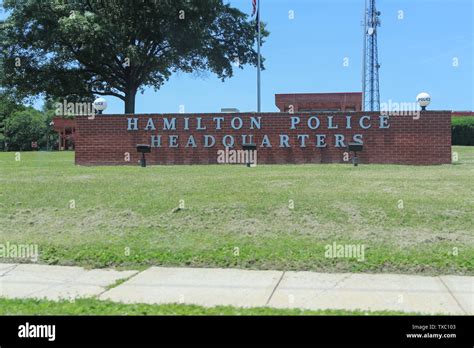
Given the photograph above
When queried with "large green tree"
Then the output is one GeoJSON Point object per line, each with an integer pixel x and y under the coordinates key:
{"type": "Point", "coordinates": [79, 48]}
{"type": "Point", "coordinates": [24, 127]}
{"type": "Point", "coordinates": [7, 108]}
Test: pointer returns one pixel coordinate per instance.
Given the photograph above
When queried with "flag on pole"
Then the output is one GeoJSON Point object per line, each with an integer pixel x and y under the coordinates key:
{"type": "Point", "coordinates": [254, 4]}
{"type": "Point", "coordinates": [256, 9]}
{"type": "Point", "coordinates": [257, 22]}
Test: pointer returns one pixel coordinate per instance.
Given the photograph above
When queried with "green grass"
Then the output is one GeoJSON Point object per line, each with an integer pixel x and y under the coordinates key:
{"type": "Point", "coordinates": [97, 307]}
{"type": "Point", "coordinates": [239, 217]}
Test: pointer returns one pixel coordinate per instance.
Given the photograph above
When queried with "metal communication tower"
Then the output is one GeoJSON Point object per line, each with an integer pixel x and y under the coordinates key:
{"type": "Point", "coordinates": [370, 65]}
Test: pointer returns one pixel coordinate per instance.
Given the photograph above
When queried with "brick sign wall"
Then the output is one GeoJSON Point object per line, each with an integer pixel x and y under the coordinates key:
{"type": "Point", "coordinates": [280, 137]}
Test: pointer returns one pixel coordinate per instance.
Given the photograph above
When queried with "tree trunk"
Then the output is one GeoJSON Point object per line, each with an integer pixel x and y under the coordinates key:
{"type": "Point", "coordinates": [130, 101]}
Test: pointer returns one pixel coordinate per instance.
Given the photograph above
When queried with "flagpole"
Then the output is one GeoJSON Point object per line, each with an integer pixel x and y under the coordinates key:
{"type": "Point", "coordinates": [258, 61]}
{"type": "Point", "coordinates": [364, 57]}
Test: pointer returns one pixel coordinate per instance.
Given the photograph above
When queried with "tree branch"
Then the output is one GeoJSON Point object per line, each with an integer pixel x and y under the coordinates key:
{"type": "Point", "coordinates": [110, 93]}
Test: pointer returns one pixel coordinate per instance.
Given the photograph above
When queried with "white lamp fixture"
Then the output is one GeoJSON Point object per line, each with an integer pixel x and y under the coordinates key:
{"type": "Point", "coordinates": [423, 99]}
{"type": "Point", "coordinates": [100, 104]}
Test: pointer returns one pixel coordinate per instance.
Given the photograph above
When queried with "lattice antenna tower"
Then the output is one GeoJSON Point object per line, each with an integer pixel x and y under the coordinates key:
{"type": "Point", "coordinates": [371, 65]}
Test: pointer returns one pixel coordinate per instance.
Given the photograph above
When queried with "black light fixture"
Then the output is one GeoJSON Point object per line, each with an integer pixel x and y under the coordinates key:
{"type": "Point", "coordinates": [247, 148]}
{"type": "Point", "coordinates": [143, 149]}
{"type": "Point", "coordinates": [355, 147]}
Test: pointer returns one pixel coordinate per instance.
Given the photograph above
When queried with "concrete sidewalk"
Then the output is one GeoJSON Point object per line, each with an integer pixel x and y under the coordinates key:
{"type": "Point", "coordinates": [244, 288]}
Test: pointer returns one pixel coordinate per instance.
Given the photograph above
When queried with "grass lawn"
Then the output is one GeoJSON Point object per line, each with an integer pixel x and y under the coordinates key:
{"type": "Point", "coordinates": [96, 307]}
{"type": "Point", "coordinates": [409, 219]}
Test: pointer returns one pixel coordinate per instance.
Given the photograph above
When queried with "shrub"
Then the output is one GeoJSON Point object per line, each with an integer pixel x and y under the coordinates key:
{"type": "Point", "coordinates": [462, 131]}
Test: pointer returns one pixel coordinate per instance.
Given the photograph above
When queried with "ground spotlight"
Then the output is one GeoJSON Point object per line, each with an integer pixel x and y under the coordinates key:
{"type": "Point", "coordinates": [248, 148]}
{"type": "Point", "coordinates": [355, 147]}
{"type": "Point", "coordinates": [143, 149]}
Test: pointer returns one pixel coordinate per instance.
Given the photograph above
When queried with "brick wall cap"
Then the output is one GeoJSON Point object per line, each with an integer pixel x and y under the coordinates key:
{"type": "Point", "coordinates": [236, 114]}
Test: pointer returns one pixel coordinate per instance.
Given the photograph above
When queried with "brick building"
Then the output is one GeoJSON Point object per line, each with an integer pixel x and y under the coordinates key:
{"type": "Point", "coordinates": [309, 102]}
{"type": "Point", "coordinates": [463, 114]}
{"type": "Point", "coordinates": [66, 129]}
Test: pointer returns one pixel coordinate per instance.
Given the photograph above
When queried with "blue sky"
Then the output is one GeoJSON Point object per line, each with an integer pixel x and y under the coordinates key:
{"type": "Point", "coordinates": [306, 54]}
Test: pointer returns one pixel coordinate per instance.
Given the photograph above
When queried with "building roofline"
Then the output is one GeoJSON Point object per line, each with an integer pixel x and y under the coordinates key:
{"type": "Point", "coordinates": [317, 93]}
